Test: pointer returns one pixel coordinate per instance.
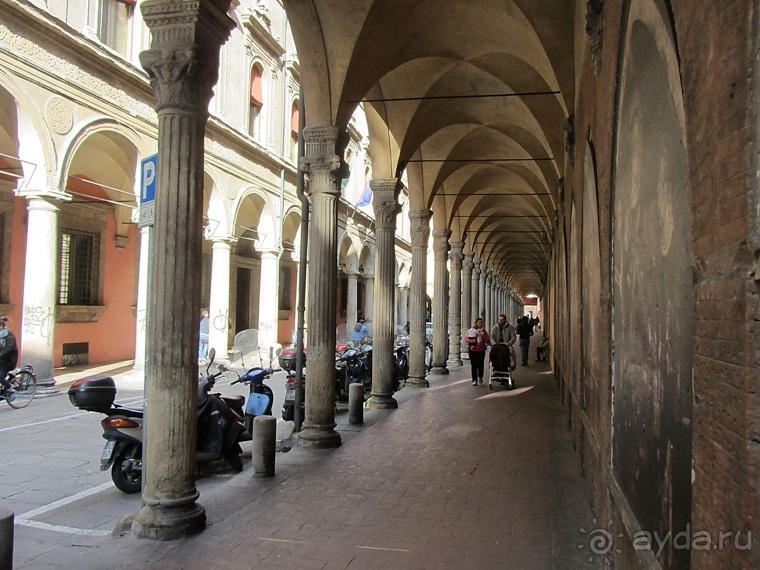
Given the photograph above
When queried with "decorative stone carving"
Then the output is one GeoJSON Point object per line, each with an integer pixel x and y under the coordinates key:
{"type": "Point", "coordinates": [570, 138]}
{"type": "Point", "coordinates": [59, 115]}
{"type": "Point", "coordinates": [385, 202]}
{"type": "Point", "coordinates": [594, 28]}
{"type": "Point", "coordinates": [441, 244]}
{"type": "Point", "coordinates": [323, 151]}
{"type": "Point", "coordinates": [420, 227]}
{"type": "Point", "coordinates": [456, 256]}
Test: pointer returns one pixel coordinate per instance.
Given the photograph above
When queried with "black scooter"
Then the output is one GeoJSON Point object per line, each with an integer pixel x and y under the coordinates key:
{"type": "Point", "coordinates": [219, 428]}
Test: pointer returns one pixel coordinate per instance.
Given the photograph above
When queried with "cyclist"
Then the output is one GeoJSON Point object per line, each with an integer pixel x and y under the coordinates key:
{"type": "Point", "coordinates": [8, 356]}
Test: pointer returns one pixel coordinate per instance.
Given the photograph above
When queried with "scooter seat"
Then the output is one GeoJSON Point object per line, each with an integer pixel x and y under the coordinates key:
{"type": "Point", "coordinates": [235, 402]}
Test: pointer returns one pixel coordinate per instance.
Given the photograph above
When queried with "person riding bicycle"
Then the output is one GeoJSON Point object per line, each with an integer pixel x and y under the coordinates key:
{"type": "Point", "coordinates": [8, 355]}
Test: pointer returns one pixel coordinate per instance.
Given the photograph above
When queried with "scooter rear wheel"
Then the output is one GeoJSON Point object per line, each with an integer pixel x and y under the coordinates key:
{"type": "Point", "coordinates": [123, 473]}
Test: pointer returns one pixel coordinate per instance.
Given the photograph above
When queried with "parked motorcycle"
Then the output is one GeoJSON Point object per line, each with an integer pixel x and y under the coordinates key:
{"type": "Point", "coordinates": [260, 396]}
{"type": "Point", "coordinates": [218, 428]}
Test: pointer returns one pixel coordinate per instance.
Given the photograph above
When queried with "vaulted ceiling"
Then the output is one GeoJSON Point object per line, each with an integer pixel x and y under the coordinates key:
{"type": "Point", "coordinates": [469, 97]}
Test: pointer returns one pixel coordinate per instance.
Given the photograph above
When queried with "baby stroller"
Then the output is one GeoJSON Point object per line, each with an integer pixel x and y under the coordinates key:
{"type": "Point", "coordinates": [501, 367]}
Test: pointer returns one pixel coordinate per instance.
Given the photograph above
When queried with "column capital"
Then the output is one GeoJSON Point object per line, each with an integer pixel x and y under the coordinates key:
{"type": "Point", "coordinates": [44, 202]}
{"type": "Point", "coordinates": [475, 267]}
{"type": "Point", "coordinates": [441, 244]}
{"type": "Point", "coordinates": [420, 227]}
{"type": "Point", "coordinates": [323, 158]}
{"type": "Point", "coordinates": [385, 202]}
{"type": "Point", "coordinates": [183, 62]}
{"type": "Point", "coordinates": [455, 255]}
{"type": "Point", "coordinates": [220, 241]}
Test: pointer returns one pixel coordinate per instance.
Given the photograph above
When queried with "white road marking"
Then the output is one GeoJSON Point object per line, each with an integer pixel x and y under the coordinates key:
{"type": "Point", "coordinates": [61, 528]}
{"type": "Point", "coordinates": [377, 548]}
{"type": "Point", "coordinates": [63, 502]}
{"type": "Point", "coordinates": [283, 540]}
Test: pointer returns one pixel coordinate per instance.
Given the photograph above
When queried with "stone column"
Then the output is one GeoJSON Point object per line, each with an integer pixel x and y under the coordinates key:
{"type": "Point", "coordinates": [182, 64]}
{"type": "Point", "coordinates": [475, 305]}
{"type": "Point", "coordinates": [269, 301]}
{"type": "Point", "coordinates": [369, 296]}
{"type": "Point", "coordinates": [440, 300]}
{"type": "Point", "coordinates": [352, 299]}
{"type": "Point", "coordinates": [219, 297]}
{"type": "Point", "coordinates": [325, 168]}
{"type": "Point", "coordinates": [142, 297]}
{"type": "Point", "coordinates": [386, 208]}
{"type": "Point", "coordinates": [420, 230]}
{"type": "Point", "coordinates": [40, 281]}
{"type": "Point", "coordinates": [455, 305]}
{"type": "Point", "coordinates": [466, 297]}
{"type": "Point", "coordinates": [487, 300]}
{"type": "Point", "coordinates": [482, 293]}
{"type": "Point", "coordinates": [403, 306]}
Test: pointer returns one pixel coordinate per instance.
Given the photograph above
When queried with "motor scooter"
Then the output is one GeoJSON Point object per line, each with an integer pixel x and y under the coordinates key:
{"type": "Point", "coordinates": [218, 428]}
{"type": "Point", "coordinates": [260, 396]}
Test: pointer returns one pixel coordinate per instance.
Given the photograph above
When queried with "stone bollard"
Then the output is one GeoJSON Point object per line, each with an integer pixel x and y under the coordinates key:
{"type": "Point", "coordinates": [356, 403]}
{"type": "Point", "coordinates": [264, 443]}
{"type": "Point", "coordinates": [6, 539]}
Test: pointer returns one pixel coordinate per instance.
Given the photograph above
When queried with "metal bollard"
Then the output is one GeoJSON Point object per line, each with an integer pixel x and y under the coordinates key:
{"type": "Point", "coordinates": [356, 403]}
{"type": "Point", "coordinates": [264, 442]}
{"type": "Point", "coordinates": [6, 539]}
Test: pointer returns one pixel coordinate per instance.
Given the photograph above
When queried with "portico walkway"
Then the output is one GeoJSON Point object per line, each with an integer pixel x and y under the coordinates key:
{"type": "Point", "coordinates": [457, 477]}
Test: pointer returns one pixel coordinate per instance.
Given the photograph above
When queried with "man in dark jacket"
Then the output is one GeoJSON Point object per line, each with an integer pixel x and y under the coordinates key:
{"type": "Point", "coordinates": [524, 332]}
{"type": "Point", "coordinates": [8, 354]}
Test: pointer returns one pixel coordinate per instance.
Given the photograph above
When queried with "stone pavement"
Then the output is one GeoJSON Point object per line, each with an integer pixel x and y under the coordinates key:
{"type": "Point", "coordinates": [457, 477]}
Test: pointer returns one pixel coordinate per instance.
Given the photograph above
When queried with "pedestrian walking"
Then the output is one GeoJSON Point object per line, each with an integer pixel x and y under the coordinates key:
{"type": "Point", "coordinates": [524, 332]}
{"type": "Point", "coordinates": [203, 345]}
{"type": "Point", "coordinates": [504, 333]}
{"type": "Point", "coordinates": [478, 340]}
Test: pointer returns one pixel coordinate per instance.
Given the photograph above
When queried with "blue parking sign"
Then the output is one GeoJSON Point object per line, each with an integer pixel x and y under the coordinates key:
{"type": "Point", "coordinates": [149, 176]}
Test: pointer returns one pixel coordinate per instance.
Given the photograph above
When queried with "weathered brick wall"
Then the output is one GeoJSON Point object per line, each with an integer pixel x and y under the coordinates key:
{"type": "Point", "coordinates": [714, 44]}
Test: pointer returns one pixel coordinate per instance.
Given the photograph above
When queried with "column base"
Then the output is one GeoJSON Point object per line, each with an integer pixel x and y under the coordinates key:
{"type": "Point", "coordinates": [455, 362]}
{"type": "Point", "coordinates": [415, 382]}
{"type": "Point", "coordinates": [381, 402]}
{"type": "Point", "coordinates": [164, 522]}
{"type": "Point", "coordinates": [440, 370]}
{"type": "Point", "coordinates": [319, 438]}
{"type": "Point", "coordinates": [46, 387]}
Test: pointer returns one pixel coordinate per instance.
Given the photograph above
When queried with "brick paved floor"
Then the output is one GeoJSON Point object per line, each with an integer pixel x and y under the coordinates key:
{"type": "Point", "coordinates": [457, 477]}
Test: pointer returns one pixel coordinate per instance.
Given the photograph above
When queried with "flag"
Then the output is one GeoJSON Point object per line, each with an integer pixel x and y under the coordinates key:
{"type": "Point", "coordinates": [366, 198]}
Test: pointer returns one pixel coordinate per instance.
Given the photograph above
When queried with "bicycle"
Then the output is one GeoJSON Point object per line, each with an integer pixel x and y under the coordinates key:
{"type": "Point", "coordinates": [24, 382]}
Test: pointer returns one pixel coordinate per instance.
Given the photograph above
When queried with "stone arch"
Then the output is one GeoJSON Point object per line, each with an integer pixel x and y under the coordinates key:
{"type": "Point", "coordinates": [254, 219]}
{"type": "Point", "coordinates": [102, 161]}
{"type": "Point", "coordinates": [348, 252]}
{"type": "Point", "coordinates": [216, 206]}
{"type": "Point", "coordinates": [367, 259]}
{"type": "Point", "coordinates": [652, 281]}
{"type": "Point", "coordinates": [28, 138]}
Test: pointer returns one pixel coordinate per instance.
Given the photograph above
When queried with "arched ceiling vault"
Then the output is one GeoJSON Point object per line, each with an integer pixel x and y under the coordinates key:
{"type": "Point", "coordinates": [469, 98]}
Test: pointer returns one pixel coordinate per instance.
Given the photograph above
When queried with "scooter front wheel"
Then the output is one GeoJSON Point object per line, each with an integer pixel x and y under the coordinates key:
{"type": "Point", "coordinates": [126, 472]}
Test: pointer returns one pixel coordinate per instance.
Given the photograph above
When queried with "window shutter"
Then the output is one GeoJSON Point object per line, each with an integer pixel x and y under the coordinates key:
{"type": "Point", "coordinates": [257, 97]}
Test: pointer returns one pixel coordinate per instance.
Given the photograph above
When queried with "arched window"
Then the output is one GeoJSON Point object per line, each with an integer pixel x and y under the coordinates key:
{"type": "Point", "coordinates": [295, 118]}
{"type": "Point", "coordinates": [256, 101]}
